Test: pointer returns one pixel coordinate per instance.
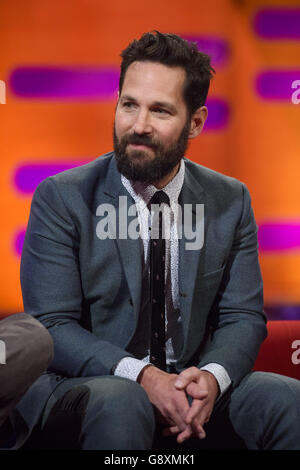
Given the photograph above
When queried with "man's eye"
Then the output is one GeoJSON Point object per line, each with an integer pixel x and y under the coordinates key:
{"type": "Point", "coordinates": [128, 105]}
{"type": "Point", "coordinates": [160, 111]}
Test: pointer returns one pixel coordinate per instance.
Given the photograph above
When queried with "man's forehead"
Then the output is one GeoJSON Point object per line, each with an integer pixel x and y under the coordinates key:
{"type": "Point", "coordinates": [153, 78]}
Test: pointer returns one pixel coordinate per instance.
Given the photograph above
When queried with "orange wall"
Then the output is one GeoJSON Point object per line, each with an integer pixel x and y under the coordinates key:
{"type": "Point", "coordinates": [260, 145]}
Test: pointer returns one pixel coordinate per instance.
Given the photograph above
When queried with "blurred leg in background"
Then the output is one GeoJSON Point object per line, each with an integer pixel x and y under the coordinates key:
{"type": "Point", "coordinates": [26, 351]}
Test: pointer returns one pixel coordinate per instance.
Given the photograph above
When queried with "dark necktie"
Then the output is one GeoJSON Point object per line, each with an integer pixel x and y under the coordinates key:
{"type": "Point", "coordinates": [157, 283]}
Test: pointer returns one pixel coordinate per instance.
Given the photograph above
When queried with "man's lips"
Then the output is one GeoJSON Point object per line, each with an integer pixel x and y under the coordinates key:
{"type": "Point", "coordinates": [140, 146]}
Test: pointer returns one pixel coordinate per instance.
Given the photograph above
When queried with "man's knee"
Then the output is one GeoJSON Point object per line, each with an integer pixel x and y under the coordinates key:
{"type": "Point", "coordinates": [119, 395]}
{"type": "Point", "coordinates": [265, 389]}
{"type": "Point", "coordinates": [265, 410]}
{"type": "Point", "coordinates": [104, 413]}
{"type": "Point", "coordinates": [125, 414]}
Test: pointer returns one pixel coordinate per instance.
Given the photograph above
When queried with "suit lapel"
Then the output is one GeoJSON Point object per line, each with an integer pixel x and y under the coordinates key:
{"type": "Point", "coordinates": [192, 194]}
{"type": "Point", "coordinates": [129, 249]}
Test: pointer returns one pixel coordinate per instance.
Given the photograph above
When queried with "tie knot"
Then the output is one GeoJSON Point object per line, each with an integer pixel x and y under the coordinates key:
{"type": "Point", "coordinates": [160, 197]}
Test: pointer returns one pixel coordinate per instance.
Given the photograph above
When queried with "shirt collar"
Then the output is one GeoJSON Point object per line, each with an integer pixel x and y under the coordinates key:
{"type": "Point", "coordinates": [142, 193]}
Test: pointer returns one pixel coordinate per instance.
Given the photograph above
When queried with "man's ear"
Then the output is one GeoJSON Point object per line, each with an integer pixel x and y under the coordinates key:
{"type": "Point", "coordinates": [197, 121]}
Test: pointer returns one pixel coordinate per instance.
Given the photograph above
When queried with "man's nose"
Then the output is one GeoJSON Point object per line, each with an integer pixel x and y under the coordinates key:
{"type": "Point", "coordinates": [142, 124]}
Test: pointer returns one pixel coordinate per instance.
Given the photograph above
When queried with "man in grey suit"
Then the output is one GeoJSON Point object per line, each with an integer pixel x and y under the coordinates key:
{"type": "Point", "coordinates": [87, 280]}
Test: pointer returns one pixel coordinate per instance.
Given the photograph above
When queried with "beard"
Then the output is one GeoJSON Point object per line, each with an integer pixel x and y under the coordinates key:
{"type": "Point", "coordinates": [138, 166]}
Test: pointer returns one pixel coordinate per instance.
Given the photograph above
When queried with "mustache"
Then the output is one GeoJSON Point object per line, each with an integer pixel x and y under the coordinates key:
{"type": "Point", "coordinates": [137, 139]}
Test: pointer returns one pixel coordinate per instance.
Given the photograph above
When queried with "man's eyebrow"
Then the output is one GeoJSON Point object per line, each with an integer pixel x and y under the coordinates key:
{"type": "Point", "coordinates": [161, 104]}
{"type": "Point", "coordinates": [127, 98]}
{"type": "Point", "coordinates": [165, 104]}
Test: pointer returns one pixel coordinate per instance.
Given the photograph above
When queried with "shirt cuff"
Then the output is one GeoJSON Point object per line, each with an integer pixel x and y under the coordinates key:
{"type": "Point", "coordinates": [220, 374]}
{"type": "Point", "coordinates": [130, 368]}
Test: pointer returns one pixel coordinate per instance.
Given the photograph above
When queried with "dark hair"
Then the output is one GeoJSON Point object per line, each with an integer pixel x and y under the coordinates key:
{"type": "Point", "coordinates": [172, 50]}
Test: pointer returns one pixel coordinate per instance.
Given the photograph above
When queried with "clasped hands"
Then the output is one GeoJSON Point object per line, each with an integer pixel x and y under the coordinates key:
{"type": "Point", "coordinates": [169, 395]}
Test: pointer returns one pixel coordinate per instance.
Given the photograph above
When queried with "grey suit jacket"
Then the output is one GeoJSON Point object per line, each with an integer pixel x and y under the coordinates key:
{"type": "Point", "coordinates": [87, 291]}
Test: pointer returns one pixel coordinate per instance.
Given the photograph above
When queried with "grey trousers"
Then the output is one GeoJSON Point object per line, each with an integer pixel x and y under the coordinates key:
{"type": "Point", "coordinates": [26, 351]}
{"type": "Point", "coordinates": [110, 413]}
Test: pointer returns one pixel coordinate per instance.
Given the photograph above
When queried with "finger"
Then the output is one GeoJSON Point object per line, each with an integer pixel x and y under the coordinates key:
{"type": "Point", "coordinates": [199, 430]}
{"type": "Point", "coordinates": [201, 433]}
{"type": "Point", "coordinates": [170, 431]}
{"type": "Point", "coordinates": [197, 416]}
{"type": "Point", "coordinates": [177, 412]}
{"type": "Point", "coordinates": [199, 421]}
{"type": "Point", "coordinates": [184, 435]}
{"type": "Point", "coordinates": [185, 377]}
{"type": "Point", "coordinates": [193, 430]}
{"type": "Point", "coordinates": [194, 390]}
{"type": "Point", "coordinates": [194, 410]}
